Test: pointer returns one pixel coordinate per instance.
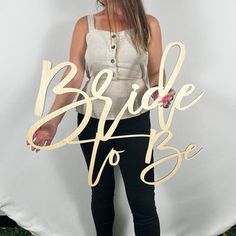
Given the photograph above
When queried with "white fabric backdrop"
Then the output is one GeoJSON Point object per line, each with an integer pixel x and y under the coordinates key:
{"type": "Point", "coordinates": [47, 192]}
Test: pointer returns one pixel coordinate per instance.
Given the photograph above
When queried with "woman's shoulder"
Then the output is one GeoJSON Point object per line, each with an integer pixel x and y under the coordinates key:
{"type": "Point", "coordinates": [81, 21]}
{"type": "Point", "coordinates": [81, 25]}
{"type": "Point", "coordinates": [152, 20]}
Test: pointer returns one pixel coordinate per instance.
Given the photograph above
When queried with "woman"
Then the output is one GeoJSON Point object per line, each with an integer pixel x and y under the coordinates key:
{"type": "Point", "coordinates": [127, 41]}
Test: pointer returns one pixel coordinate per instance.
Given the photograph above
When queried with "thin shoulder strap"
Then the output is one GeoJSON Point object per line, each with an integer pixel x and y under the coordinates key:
{"type": "Point", "coordinates": [90, 21]}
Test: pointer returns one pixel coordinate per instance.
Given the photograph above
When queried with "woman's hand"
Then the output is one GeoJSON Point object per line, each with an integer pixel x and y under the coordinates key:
{"type": "Point", "coordinates": [166, 99]}
{"type": "Point", "coordinates": [44, 135]}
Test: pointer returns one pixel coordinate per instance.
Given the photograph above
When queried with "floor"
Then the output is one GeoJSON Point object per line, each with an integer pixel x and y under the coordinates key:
{"type": "Point", "coordinates": [18, 231]}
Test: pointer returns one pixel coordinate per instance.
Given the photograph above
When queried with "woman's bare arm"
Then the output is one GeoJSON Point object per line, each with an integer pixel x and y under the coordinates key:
{"type": "Point", "coordinates": [76, 56]}
{"type": "Point", "coordinates": [154, 52]}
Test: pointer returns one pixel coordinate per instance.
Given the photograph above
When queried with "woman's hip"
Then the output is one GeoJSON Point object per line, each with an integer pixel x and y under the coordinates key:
{"type": "Point", "coordinates": [137, 124]}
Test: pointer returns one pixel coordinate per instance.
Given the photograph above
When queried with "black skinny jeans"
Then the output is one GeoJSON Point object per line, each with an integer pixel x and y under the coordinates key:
{"type": "Point", "coordinates": [141, 197]}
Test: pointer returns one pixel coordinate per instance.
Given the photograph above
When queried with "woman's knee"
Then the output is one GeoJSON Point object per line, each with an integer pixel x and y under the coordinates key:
{"type": "Point", "coordinates": [102, 196]}
{"type": "Point", "coordinates": [142, 201]}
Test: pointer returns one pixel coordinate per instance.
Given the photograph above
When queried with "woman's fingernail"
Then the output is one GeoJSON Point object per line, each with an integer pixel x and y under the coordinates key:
{"type": "Point", "coordinates": [164, 99]}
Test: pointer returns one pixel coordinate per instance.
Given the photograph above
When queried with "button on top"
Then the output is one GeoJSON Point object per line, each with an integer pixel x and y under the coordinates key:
{"type": "Point", "coordinates": [113, 36]}
{"type": "Point", "coordinates": [112, 60]}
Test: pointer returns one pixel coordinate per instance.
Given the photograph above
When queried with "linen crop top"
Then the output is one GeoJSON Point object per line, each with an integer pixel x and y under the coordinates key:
{"type": "Point", "coordinates": [128, 67]}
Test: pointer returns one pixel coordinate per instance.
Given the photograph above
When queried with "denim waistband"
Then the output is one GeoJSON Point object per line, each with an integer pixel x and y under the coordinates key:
{"type": "Point", "coordinates": [139, 122]}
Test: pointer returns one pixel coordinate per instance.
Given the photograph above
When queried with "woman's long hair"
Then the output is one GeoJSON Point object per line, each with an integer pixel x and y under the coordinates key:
{"type": "Point", "coordinates": [135, 15]}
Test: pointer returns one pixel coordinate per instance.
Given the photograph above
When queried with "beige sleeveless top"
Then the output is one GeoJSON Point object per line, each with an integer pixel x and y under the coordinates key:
{"type": "Point", "coordinates": [128, 66]}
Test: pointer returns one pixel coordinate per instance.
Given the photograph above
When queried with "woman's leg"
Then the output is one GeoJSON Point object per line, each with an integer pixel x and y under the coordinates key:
{"type": "Point", "coordinates": [141, 197]}
{"type": "Point", "coordinates": [102, 194]}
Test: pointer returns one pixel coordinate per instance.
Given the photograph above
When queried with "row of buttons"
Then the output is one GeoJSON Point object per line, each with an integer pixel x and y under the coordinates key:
{"type": "Point", "coordinates": [113, 47]}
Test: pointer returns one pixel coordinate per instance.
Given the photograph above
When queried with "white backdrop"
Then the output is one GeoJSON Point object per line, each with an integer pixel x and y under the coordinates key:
{"type": "Point", "coordinates": [47, 192]}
